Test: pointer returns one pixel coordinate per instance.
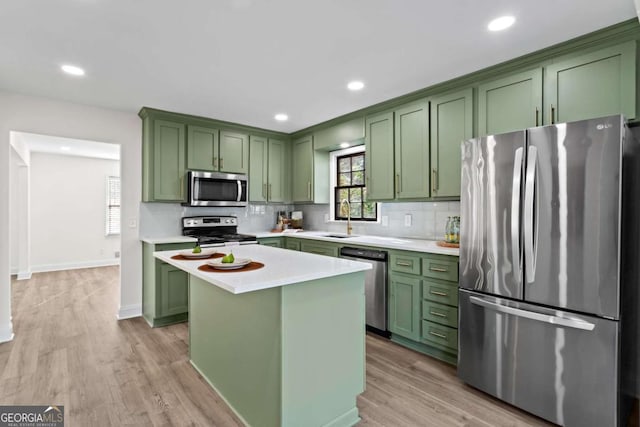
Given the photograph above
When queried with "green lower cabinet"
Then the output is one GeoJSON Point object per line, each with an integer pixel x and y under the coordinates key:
{"type": "Point", "coordinates": [291, 244]}
{"type": "Point", "coordinates": [404, 306]}
{"type": "Point", "coordinates": [165, 288]}
{"type": "Point", "coordinates": [319, 248]}
{"type": "Point", "coordinates": [423, 303]}
{"type": "Point", "coordinates": [275, 242]}
{"type": "Point", "coordinates": [174, 291]}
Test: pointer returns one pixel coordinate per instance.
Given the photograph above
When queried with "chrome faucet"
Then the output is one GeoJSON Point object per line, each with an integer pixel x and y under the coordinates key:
{"type": "Point", "coordinates": [349, 228]}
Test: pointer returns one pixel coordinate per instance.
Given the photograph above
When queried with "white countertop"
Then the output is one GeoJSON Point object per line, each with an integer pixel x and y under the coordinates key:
{"type": "Point", "coordinates": [401, 243]}
{"type": "Point", "coordinates": [170, 239]}
{"type": "Point", "coordinates": [281, 267]}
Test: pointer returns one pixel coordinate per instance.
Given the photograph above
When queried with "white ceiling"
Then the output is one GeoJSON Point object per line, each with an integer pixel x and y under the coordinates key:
{"type": "Point", "coordinates": [245, 60]}
{"type": "Point", "coordinates": [74, 147]}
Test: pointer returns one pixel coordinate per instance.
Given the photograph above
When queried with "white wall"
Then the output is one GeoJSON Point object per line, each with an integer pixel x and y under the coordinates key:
{"type": "Point", "coordinates": [68, 212]}
{"type": "Point", "coordinates": [48, 117]}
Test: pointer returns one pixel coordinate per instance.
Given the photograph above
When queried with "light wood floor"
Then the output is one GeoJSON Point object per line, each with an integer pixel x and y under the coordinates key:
{"type": "Point", "coordinates": [70, 350]}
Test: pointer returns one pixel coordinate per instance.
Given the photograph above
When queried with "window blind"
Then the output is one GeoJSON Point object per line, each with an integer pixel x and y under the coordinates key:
{"type": "Point", "coordinates": [113, 205]}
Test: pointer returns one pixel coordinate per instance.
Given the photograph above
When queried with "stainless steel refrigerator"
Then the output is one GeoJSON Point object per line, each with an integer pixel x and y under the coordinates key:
{"type": "Point", "coordinates": [549, 269]}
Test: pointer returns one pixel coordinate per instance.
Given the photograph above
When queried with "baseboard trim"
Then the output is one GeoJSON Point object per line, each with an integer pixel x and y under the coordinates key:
{"type": "Point", "coordinates": [6, 332]}
{"type": "Point", "coordinates": [75, 265]}
{"type": "Point", "coordinates": [129, 311]}
{"type": "Point", "coordinates": [24, 275]}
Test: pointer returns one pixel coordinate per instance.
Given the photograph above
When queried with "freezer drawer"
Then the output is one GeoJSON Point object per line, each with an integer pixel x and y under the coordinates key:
{"type": "Point", "coordinates": [557, 365]}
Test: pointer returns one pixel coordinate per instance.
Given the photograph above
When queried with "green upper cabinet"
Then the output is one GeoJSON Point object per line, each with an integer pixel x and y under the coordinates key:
{"type": "Point", "coordinates": [451, 124]}
{"type": "Point", "coordinates": [267, 171]}
{"type": "Point", "coordinates": [510, 103]}
{"type": "Point", "coordinates": [302, 159]}
{"type": "Point", "coordinates": [597, 84]}
{"type": "Point", "coordinates": [412, 151]}
{"type": "Point", "coordinates": [234, 152]}
{"type": "Point", "coordinates": [202, 148]}
{"type": "Point", "coordinates": [330, 138]}
{"type": "Point", "coordinates": [379, 167]}
{"type": "Point", "coordinates": [276, 176]}
{"type": "Point", "coordinates": [258, 167]}
{"type": "Point", "coordinates": [165, 175]}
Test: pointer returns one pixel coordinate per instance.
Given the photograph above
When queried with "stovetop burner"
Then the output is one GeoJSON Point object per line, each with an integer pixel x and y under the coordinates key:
{"type": "Point", "coordinates": [215, 230]}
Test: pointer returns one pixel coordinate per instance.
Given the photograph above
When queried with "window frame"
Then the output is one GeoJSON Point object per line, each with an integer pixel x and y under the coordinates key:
{"type": "Point", "coordinates": [334, 181]}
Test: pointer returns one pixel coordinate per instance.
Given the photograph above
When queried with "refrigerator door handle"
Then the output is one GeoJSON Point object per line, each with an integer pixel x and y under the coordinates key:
{"type": "Point", "coordinates": [554, 320]}
{"type": "Point", "coordinates": [529, 195]}
{"type": "Point", "coordinates": [515, 212]}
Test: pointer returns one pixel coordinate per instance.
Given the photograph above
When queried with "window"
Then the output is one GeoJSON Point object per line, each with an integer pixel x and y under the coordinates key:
{"type": "Point", "coordinates": [350, 186]}
{"type": "Point", "coordinates": [113, 205]}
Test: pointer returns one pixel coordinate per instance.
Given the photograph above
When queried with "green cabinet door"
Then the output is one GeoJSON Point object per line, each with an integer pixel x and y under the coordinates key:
{"type": "Point", "coordinates": [174, 291]}
{"type": "Point", "coordinates": [276, 174]}
{"type": "Point", "coordinates": [404, 306]}
{"type": "Point", "coordinates": [302, 180]}
{"type": "Point", "coordinates": [451, 124]}
{"type": "Point", "coordinates": [234, 152]}
{"type": "Point", "coordinates": [510, 103]}
{"type": "Point", "coordinates": [202, 148]}
{"type": "Point", "coordinates": [258, 167]}
{"type": "Point", "coordinates": [412, 151]}
{"type": "Point", "coordinates": [597, 84]}
{"type": "Point", "coordinates": [168, 161]}
{"type": "Point", "coordinates": [379, 167]}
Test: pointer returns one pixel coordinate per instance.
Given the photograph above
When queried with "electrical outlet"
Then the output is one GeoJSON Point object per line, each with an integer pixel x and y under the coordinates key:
{"type": "Point", "coordinates": [133, 223]}
{"type": "Point", "coordinates": [385, 221]}
{"type": "Point", "coordinates": [407, 220]}
{"type": "Point", "coordinates": [117, 254]}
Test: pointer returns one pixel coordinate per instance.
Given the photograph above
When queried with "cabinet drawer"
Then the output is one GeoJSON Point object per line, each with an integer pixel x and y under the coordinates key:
{"type": "Point", "coordinates": [440, 269]}
{"type": "Point", "coordinates": [440, 313]}
{"type": "Point", "coordinates": [320, 249]}
{"type": "Point", "coordinates": [444, 293]}
{"type": "Point", "coordinates": [443, 336]}
{"type": "Point", "coordinates": [405, 263]}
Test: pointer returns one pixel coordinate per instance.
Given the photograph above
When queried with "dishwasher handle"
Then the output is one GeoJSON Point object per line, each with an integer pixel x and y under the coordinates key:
{"type": "Point", "coordinates": [369, 254]}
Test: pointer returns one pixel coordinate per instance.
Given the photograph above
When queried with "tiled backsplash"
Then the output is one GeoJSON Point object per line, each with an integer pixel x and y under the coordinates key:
{"type": "Point", "coordinates": [428, 219]}
{"type": "Point", "coordinates": [163, 219]}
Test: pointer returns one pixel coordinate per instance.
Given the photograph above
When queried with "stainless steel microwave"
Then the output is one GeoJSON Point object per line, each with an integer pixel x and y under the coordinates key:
{"type": "Point", "coordinates": [216, 189]}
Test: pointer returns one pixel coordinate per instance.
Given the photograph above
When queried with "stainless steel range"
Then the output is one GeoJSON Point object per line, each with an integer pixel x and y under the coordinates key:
{"type": "Point", "coordinates": [215, 230]}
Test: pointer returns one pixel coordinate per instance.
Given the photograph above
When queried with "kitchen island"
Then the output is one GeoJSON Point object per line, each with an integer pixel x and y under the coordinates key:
{"type": "Point", "coordinates": [283, 345]}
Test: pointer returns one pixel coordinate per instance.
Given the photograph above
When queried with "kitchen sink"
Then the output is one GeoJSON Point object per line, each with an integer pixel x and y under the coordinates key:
{"type": "Point", "coordinates": [339, 236]}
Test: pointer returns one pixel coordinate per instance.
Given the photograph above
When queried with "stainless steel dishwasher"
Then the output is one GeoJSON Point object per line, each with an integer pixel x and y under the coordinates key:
{"type": "Point", "coordinates": [375, 286]}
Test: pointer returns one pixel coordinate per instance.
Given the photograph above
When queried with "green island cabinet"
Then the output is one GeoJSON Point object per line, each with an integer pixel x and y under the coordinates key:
{"type": "Point", "coordinates": [165, 288]}
{"type": "Point", "coordinates": [267, 169]}
{"type": "Point", "coordinates": [594, 84]}
{"type": "Point", "coordinates": [423, 303]}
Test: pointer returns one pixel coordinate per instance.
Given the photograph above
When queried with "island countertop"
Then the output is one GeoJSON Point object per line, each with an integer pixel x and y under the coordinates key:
{"type": "Point", "coordinates": [281, 267]}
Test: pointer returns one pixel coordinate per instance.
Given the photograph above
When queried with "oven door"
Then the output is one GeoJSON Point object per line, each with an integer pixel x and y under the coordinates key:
{"type": "Point", "coordinates": [216, 189]}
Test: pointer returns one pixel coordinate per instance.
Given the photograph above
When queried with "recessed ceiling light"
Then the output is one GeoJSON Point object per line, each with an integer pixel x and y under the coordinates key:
{"type": "Point", "coordinates": [65, 148]}
{"type": "Point", "coordinates": [501, 23]}
{"type": "Point", "coordinates": [281, 117]}
{"type": "Point", "coordinates": [355, 85]}
{"type": "Point", "coordinates": [73, 70]}
{"type": "Point", "coordinates": [344, 144]}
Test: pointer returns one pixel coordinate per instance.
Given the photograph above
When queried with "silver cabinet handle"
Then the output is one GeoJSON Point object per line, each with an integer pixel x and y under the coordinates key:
{"type": "Point", "coordinates": [515, 213]}
{"type": "Point", "coordinates": [264, 190]}
{"type": "Point", "coordinates": [403, 264]}
{"type": "Point", "coordinates": [438, 269]}
{"type": "Point", "coordinates": [552, 115]}
{"type": "Point", "coordinates": [537, 113]}
{"type": "Point", "coordinates": [554, 320]}
{"type": "Point", "coordinates": [215, 163]}
{"type": "Point", "coordinates": [309, 190]}
{"type": "Point", "coordinates": [434, 180]}
{"type": "Point", "coordinates": [440, 294]}
{"type": "Point", "coordinates": [435, 334]}
{"type": "Point", "coordinates": [221, 163]}
{"type": "Point", "coordinates": [530, 180]}
{"type": "Point", "coordinates": [269, 192]}
{"type": "Point", "coordinates": [437, 313]}
{"type": "Point", "coordinates": [398, 183]}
